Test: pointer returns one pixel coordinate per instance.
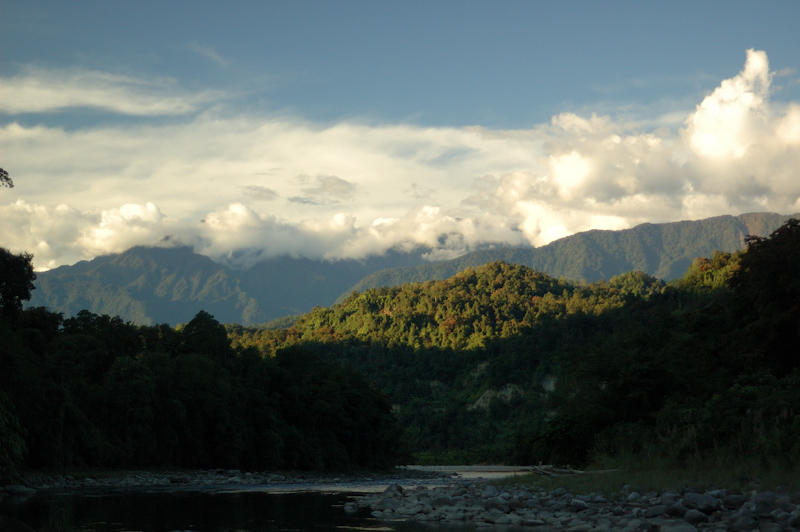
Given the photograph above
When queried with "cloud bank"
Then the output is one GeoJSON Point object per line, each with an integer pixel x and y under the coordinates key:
{"type": "Point", "coordinates": [242, 188]}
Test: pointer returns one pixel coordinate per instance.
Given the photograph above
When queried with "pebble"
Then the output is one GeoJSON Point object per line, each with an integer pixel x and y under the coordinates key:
{"type": "Point", "coordinates": [484, 505]}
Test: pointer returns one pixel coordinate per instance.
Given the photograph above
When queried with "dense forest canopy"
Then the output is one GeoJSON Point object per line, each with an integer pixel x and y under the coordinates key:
{"type": "Point", "coordinates": [498, 363]}
{"type": "Point", "coordinates": [93, 390]}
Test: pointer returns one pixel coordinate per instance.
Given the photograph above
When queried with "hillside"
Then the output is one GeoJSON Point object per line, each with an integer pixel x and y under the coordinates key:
{"type": "Point", "coordinates": [663, 250]}
{"type": "Point", "coordinates": [501, 363]}
{"type": "Point", "coordinates": [170, 285]}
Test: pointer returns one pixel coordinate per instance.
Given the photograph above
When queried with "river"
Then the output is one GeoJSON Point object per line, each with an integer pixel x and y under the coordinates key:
{"type": "Point", "coordinates": [254, 509]}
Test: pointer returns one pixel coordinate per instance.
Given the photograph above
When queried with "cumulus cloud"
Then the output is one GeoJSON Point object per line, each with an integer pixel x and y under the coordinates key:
{"type": "Point", "coordinates": [734, 116]}
{"type": "Point", "coordinates": [350, 190]}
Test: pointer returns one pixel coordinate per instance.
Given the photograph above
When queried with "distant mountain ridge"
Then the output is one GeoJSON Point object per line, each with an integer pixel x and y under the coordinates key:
{"type": "Point", "coordinates": [663, 250]}
{"type": "Point", "coordinates": [170, 285]}
{"type": "Point", "coordinates": [148, 285]}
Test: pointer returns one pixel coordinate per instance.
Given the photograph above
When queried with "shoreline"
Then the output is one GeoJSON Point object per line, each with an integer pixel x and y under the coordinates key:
{"type": "Point", "coordinates": [220, 480]}
{"type": "Point", "coordinates": [462, 496]}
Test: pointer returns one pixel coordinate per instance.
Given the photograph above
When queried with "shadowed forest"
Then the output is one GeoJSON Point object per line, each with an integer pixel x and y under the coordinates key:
{"type": "Point", "coordinates": [499, 363]}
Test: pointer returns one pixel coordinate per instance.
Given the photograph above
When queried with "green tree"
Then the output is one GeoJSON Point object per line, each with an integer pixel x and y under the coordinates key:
{"type": "Point", "coordinates": [768, 280]}
{"type": "Point", "coordinates": [16, 281]}
{"type": "Point", "coordinates": [12, 442]}
{"type": "Point", "coordinates": [206, 336]}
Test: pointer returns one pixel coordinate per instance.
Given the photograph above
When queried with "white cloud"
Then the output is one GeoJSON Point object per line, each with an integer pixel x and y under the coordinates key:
{"type": "Point", "coordinates": [41, 90]}
{"type": "Point", "coordinates": [351, 189]}
{"type": "Point", "coordinates": [208, 52]}
{"type": "Point", "coordinates": [733, 117]}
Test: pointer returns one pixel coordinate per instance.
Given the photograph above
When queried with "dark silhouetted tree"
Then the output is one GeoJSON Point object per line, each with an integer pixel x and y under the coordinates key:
{"type": "Point", "coordinates": [16, 281]}
{"type": "Point", "coordinates": [5, 180]}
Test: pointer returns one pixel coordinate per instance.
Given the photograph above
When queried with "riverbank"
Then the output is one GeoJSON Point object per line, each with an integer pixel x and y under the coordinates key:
{"type": "Point", "coordinates": [222, 480]}
{"type": "Point", "coordinates": [481, 504]}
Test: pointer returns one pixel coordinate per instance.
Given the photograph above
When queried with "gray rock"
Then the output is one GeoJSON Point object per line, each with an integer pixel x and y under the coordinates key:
{"type": "Point", "coordinates": [388, 504]}
{"type": "Point", "coordinates": [734, 502]}
{"type": "Point", "coordinates": [743, 521]}
{"type": "Point", "coordinates": [583, 527]}
{"type": "Point", "coordinates": [697, 501]}
{"type": "Point", "coordinates": [441, 500]}
{"type": "Point", "coordinates": [494, 516]}
{"type": "Point", "coordinates": [677, 510]}
{"type": "Point", "coordinates": [655, 511]}
{"type": "Point", "coordinates": [489, 492]}
{"type": "Point", "coordinates": [393, 491]}
{"type": "Point", "coordinates": [695, 517]}
{"type": "Point", "coordinates": [576, 505]}
{"type": "Point", "coordinates": [784, 502]}
{"type": "Point", "coordinates": [351, 507]}
{"type": "Point", "coordinates": [532, 521]}
{"type": "Point", "coordinates": [497, 503]}
{"type": "Point", "coordinates": [678, 526]}
{"type": "Point", "coordinates": [633, 497]}
{"type": "Point", "coordinates": [769, 527]}
{"type": "Point", "coordinates": [766, 503]}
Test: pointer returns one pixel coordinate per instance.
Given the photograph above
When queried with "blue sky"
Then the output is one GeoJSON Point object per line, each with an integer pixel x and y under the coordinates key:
{"type": "Point", "coordinates": [343, 129]}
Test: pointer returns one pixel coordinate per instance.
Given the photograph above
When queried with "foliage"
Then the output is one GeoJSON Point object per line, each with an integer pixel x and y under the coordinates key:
{"type": "Point", "coordinates": [96, 391]}
{"type": "Point", "coordinates": [622, 355]}
{"type": "Point", "coordinates": [16, 282]}
{"type": "Point", "coordinates": [12, 438]}
{"type": "Point", "coordinates": [499, 363]}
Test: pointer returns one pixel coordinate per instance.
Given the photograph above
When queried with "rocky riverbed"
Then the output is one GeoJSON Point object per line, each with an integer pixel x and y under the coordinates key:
{"type": "Point", "coordinates": [484, 505]}
{"type": "Point", "coordinates": [221, 480]}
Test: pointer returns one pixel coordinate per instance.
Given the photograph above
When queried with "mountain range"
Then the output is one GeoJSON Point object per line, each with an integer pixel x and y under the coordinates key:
{"type": "Point", "coordinates": [147, 285]}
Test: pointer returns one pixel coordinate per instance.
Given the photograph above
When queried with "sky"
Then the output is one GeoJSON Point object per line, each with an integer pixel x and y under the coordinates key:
{"type": "Point", "coordinates": [331, 130]}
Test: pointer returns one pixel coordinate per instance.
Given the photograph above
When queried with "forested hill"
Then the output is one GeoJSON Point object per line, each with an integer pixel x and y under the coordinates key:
{"type": "Point", "coordinates": [663, 250]}
{"type": "Point", "coordinates": [159, 285]}
{"type": "Point", "coordinates": [501, 363]}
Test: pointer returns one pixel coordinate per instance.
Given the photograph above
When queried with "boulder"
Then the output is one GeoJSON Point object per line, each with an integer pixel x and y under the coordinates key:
{"type": "Point", "coordinates": [388, 504]}
{"type": "Point", "coordinates": [734, 502]}
{"type": "Point", "coordinates": [441, 500]}
{"type": "Point", "coordinates": [394, 490]}
{"type": "Point", "coordinates": [489, 492]}
{"type": "Point", "coordinates": [576, 505]}
{"type": "Point", "coordinates": [695, 517]}
{"type": "Point", "coordinates": [677, 510]}
{"type": "Point", "coordinates": [497, 503]}
{"type": "Point", "coordinates": [698, 501]}
{"type": "Point", "coordinates": [743, 521]}
{"type": "Point", "coordinates": [655, 511]}
{"type": "Point", "coordinates": [678, 526]}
